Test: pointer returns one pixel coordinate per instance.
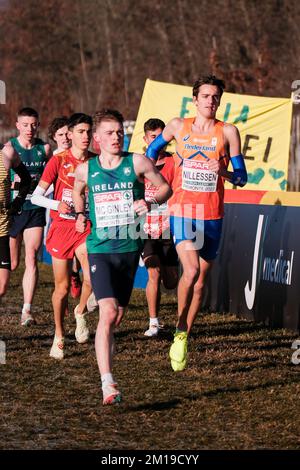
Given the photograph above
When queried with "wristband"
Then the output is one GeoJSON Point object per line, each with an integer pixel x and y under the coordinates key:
{"type": "Point", "coordinates": [155, 147]}
{"type": "Point", "coordinates": [77, 214]}
{"type": "Point", "coordinates": [239, 177]}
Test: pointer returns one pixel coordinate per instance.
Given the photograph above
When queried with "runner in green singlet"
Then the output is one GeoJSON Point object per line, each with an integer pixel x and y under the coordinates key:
{"type": "Point", "coordinates": [28, 224]}
{"type": "Point", "coordinates": [115, 181]}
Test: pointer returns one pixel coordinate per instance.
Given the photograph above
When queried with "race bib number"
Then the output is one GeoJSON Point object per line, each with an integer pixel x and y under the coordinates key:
{"type": "Point", "coordinates": [114, 208]}
{"type": "Point", "coordinates": [15, 185]}
{"type": "Point", "coordinates": [150, 194]}
{"type": "Point", "coordinates": [197, 177]}
{"type": "Point", "coordinates": [67, 197]}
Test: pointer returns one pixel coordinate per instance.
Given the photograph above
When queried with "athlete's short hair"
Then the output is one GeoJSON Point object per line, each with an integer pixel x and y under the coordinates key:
{"type": "Point", "coordinates": [208, 80]}
{"type": "Point", "coordinates": [28, 112]}
{"type": "Point", "coordinates": [106, 114]}
{"type": "Point", "coordinates": [56, 124]}
{"type": "Point", "coordinates": [79, 118]}
{"type": "Point", "coordinates": [152, 124]}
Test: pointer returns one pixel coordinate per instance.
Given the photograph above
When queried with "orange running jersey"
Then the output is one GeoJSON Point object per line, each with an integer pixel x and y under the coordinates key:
{"type": "Point", "coordinates": [198, 193]}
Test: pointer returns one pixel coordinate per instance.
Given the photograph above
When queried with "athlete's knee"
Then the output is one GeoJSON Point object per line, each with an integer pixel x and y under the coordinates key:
{"type": "Point", "coordinates": [87, 283]}
{"type": "Point", "coordinates": [61, 290]}
{"type": "Point", "coordinates": [31, 259]}
{"type": "Point", "coordinates": [191, 274]}
{"type": "Point", "coordinates": [154, 274]}
{"type": "Point", "coordinates": [198, 287]}
{"type": "Point", "coordinates": [109, 314]}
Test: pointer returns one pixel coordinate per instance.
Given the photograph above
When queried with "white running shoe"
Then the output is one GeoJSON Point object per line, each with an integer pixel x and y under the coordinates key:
{"type": "Point", "coordinates": [27, 319]}
{"type": "Point", "coordinates": [111, 395]}
{"type": "Point", "coordinates": [92, 303]}
{"type": "Point", "coordinates": [153, 330]}
{"type": "Point", "coordinates": [57, 349]}
{"type": "Point", "coordinates": [82, 331]}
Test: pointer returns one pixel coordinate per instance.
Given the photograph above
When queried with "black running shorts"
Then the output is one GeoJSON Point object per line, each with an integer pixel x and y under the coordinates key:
{"type": "Point", "coordinates": [112, 275]}
{"type": "Point", "coordinates": [4, 253]}
{"type": "Point", "coordinates": [163, 248]}
{"type": "Point", "coordinates": [27, 219]}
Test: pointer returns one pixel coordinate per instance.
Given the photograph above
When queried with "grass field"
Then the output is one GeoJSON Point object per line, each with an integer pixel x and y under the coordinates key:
{"type": "Point", "coordinates": [240, 390]}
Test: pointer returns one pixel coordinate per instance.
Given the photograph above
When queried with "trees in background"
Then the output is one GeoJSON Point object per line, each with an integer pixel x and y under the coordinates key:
{"type": "Point", "coordinates": [62, 56]}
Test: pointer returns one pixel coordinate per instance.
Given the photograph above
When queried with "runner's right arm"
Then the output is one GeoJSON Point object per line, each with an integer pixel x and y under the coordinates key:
{"type": "Point", "coordinates": [146, 169]}
{"type": "Point", "coordinates": [47, 179]}
{"type": "Point", "coordinates": [170, 132]}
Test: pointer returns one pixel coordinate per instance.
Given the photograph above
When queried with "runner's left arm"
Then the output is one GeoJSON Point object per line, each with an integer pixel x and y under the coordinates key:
{"type": "Point", "coordinates": [12, 160]}
{"type": "Point", "coordinates": [144, 168]}
{"type": "Point", "coordinates": [78, 193]}
{"type": "Point", "coordinates": [78, 196]}
{"type": "Point", "coordinates": [238, 176]}
{"type": "Point", "coordinates": [24, 185]}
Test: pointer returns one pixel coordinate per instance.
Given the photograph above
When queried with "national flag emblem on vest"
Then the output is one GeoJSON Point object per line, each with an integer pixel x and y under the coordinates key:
{"type": "Point", "coordinates": [127, 170]}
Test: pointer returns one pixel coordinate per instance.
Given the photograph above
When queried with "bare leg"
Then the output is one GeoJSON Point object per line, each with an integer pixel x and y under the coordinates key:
{"type": "Point", "coordinates": [32, 240]}
{"type": "Point", "coordinates": [15, 250]}
{"type": "Point", "coordinates": [198, 292]}
{"type": "Point", "coordinates": [75, 265]}
{"type": "Point", "coordinates": [4, 280]}
{"type": "Point", "coordinates": [104, 334]}
{"type": "Point", "coordinates": [86, 290]}
{"type": "Point", "coordinates": [191, 268]}
{"type": "Point", "coordinates": [61, 271]}
{"type": "Point", "coordinates": [152, 264]}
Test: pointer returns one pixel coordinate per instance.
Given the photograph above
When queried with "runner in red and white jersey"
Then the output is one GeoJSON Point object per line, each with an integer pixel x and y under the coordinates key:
{"type": "Point", "coordinates": [63, 241]}
{"type": "Point", "coordinates": [159, 254]}
{"type": "Point", "coordinates": [58, 133]}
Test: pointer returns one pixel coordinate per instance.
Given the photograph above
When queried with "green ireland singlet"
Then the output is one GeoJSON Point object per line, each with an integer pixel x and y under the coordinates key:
{"type": "Point", "coordinates": [115, 228]}
{"type": "Point", "coordinates": [34, 159]}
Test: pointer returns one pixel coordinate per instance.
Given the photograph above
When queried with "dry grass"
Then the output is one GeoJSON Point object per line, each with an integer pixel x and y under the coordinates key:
{"type": "Point", "coordinates": [240, 390]}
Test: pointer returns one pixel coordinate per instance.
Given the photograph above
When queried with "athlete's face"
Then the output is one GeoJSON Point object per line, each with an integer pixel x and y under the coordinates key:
{"type": "Point", "coordinates": [61, 138]}
{"type": "Point", "coordinates": [80, 136]}
{"type": "Point", "coordinates": [207, 101]}
{"type": "Point", "coordinates": [110, 136]}
{"type": "Point", "coordinates": [151, 135]}
{"type": "Point", "coordinates": [27, 127]}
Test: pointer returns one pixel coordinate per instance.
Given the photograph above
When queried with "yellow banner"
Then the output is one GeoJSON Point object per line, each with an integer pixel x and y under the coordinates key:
{"type": "Point", "coordinates": [264, 124]}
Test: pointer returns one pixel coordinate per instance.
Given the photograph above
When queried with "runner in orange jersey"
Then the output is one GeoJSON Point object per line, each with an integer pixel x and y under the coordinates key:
{"type": "Point", "coordinates": [204, 147]}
